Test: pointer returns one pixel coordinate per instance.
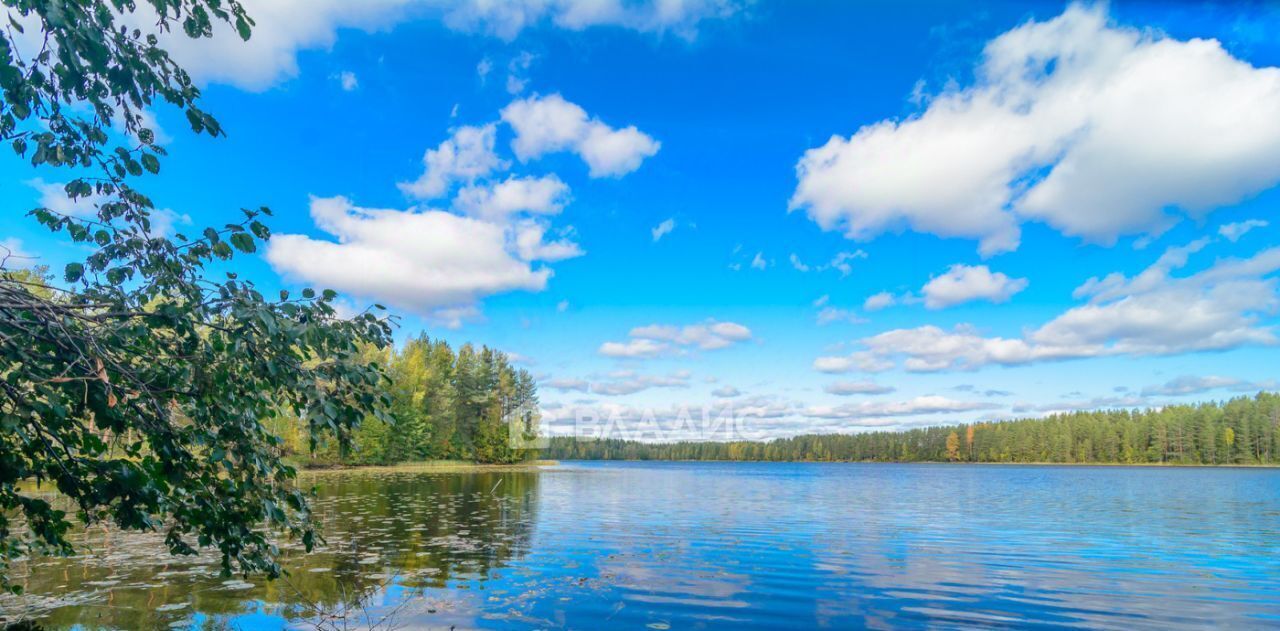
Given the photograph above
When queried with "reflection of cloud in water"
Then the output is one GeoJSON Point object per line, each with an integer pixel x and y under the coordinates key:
{"type": "Point", "coordinates": [658, 583]}
{"type": "Point", "coordinates": [993, 555]}
{"type": "Point", "coordinates": [734, 545]}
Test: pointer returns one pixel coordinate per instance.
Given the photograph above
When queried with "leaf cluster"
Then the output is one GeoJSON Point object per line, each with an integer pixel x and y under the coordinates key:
{"type": "Point", "coordinates": [138, 385]}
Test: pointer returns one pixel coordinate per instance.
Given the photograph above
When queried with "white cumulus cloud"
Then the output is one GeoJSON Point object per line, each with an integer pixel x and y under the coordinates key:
{"type": "Point", "coordinates": [284, 28]}
{"type": "Point", "coordinates": [964, 283]}
{"type": "Point", "coordinates": [863, 361]}
{"type": "Point", "coordinates": [633, 349]}
{"type": "Point", "coordinates": [1151, 313]}
{"type": "Point", "coordinates": [465, 156]}
{"type": "Point", "coordinates": [1098, 130]}
{"type": "Point", "coordinates": [531, 244]}
{"type": "Point", "coordinates": [550, 124]}
{"type": "Point", "coordinates": [419, 260]}
{"type": "Point", "coordinates": [663, 339]}
{"type": "Point", "coordinates": [882, 300]}
{"type": "Point", "coordinates": [545, 195]}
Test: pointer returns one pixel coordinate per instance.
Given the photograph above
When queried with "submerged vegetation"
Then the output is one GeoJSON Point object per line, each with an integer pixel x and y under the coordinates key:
{"type": "Point", "coordinates": [402, 534]}
{"type": "Point", "coordinates": [1243, 431]}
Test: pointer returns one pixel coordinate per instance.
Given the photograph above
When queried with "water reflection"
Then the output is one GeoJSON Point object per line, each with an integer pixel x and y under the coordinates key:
{"type": "Point", "coordinates": [390, 537]}
{"type": "Point", "coordinates": [734, 546]}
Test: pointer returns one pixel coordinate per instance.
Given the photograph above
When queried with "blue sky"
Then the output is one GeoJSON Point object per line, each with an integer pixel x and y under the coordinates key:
{"type": "Point", "coordinates": [817, 216]}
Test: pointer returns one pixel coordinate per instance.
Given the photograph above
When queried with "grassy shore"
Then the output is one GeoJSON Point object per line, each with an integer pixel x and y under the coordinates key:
{"type": "Point", "coordinates": [426, 466]}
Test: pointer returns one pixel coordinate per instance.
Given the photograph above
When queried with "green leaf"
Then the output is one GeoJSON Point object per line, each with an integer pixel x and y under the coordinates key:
{"type": "Point", "coordinates": [77, 188]}
{"type": "Point", "coordinates": [243, 242]}
{"type": "Point", "coordinates": [196, 121]}
{"type": "Point", "coordinates": [147, 325]}
{"type": "Point", "coordinates": [242, 27]}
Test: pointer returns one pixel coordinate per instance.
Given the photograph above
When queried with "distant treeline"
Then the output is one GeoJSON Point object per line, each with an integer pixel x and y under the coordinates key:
{"type": "Point", "coordinates": [445, 405]}
{"type": "Point", "coordinates": [1240, 431]}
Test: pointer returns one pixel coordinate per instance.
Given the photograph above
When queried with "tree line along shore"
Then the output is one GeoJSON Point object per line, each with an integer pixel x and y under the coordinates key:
{"type": "Point", "coordinates": [445, 405]}
{"type": "Point", "coordinates": [456, 406]}
{"type": "Point", "coordinates": [1242, 431]}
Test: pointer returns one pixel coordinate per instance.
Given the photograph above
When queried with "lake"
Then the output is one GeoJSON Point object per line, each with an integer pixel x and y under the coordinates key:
{"type": "Point", "coordinates": [586, 545]}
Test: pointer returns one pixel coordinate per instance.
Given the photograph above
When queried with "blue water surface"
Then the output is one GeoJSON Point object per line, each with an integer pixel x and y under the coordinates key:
{"type": "Point", "coordinates": [590, 545]}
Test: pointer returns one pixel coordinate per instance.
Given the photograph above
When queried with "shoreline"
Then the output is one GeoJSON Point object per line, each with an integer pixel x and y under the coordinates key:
{"type": "Point", "coordinates": [1160, 465]}
{"type": "Point", "coordinates": [461, 466]}
{"type": "Point", "coordinates": [426, 466]}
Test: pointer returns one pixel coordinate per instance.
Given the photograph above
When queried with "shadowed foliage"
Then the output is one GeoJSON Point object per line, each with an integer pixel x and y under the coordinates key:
{"type": "Point", "coordinates": [137, 384]}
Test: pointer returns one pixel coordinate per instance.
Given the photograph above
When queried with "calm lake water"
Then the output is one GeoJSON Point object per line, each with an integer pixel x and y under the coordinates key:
{"type": "Point", "coordinates": [728, 546]}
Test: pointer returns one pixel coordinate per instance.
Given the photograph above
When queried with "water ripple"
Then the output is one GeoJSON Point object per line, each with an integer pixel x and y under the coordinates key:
{"type": "Point", "coordinates": [729, 546]}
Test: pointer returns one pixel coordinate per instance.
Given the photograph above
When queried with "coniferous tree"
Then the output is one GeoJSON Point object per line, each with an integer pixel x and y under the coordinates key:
{"type": "Point", "coordinates": [1241, 431]}
{"type": "Point", "coordinates": [460, 406]}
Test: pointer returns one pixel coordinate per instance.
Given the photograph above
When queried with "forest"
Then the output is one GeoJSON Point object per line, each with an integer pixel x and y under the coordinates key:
{"type": "Point", "coordinates": [1242, 431]}
{"type": "Point", "coordinates": [445, 405]}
